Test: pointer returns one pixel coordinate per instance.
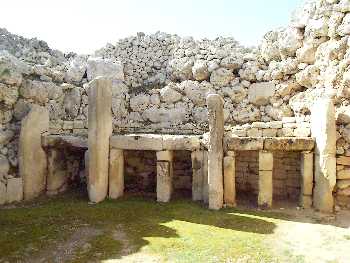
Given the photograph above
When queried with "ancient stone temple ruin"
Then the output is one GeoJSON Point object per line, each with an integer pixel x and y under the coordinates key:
{"type": "Point", "coordinates": [170, 115]}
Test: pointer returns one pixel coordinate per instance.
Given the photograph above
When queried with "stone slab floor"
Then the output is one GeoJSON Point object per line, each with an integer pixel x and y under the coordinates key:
{"type": "Point", "coordinates": [135, 229]}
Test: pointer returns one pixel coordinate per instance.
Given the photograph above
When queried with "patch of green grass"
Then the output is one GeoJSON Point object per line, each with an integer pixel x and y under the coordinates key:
{"type": "Point", "coordinates": [180, 231]}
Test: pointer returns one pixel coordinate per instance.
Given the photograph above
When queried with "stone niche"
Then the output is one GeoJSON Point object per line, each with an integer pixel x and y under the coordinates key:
{"type": "Point", "coordinates": [140, 173]}
{"type": "Point", "coordinates": [247, 176]}
{"type": "Point", "coordinates": [286, 177]}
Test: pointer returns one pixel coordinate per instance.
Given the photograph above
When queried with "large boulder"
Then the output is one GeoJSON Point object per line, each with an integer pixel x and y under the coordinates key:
{"type": "Point", "coordinates": [100, 67]}
{"type": "Point", "coordinates": [169, 95]}
{"type": "Point", "coordinates": [32, 157]}
{"type": "Point", "coordinates": [11, 69]}
{"type": "Point", "coordinates": [72, 101]}
{"type": "Point", "coordinates": [289, 41]}
{"type": "Point", "coordinates": [195, 91]}
{"type": "Point", "coordinates": [76, 69]}
{"type": "Point", "coordinates": [40, 92]}
{"type": "Point", "coordinates": [140, 102]}
{"type": "Point", "coordinates": [200, 70]}
{"type": "Point", "coordinates": [180, 69]}
{"type": "Point", "coordinates": [260, 93]}
{"type": "Point", "coordinates": [221, 77]}
{"type": "Point", "coordinates": [8, 94]}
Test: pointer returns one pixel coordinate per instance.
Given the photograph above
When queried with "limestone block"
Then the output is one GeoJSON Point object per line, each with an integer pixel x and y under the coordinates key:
{"type": "Point", "coordinates": [343, 160]}
{"type": "Point", "coordinates": [243, 143]}
{"type": "Point", "coordinates": [342, 184]}
{"type": "Point", "coordinates": [269, 132]}
{"type": "Point", "coordinates": [215, 150]}
{"type": "Point", "coordinates": [265, 161]}
{"type": "Point", "coordinates": [302, 132]}
{"type": "Point", "coordinates": [230, 180]}
{"type": "Point", "coordinates": [116, 173]}
{"type": "Point", "coordinates": [164, 175]}
{"type": "Point", "coordinates": [100, 67]}
{"type": "Point", "coordinates": [289, 144]}
{"type": "Point", "coordinates": [323, 129]}
{"type": "Point", "coordinates": [180, 142]}
{"type": "Point", "coordinates": [14, 191]}
{"type": "Point", "coordinates": [86, 162]}
{"type": "Point", "coordinates": [265, 189]}
{"type": "Point", "coordinates": [260, 93]}
{"type": "Point", "coordinates": [205, 178]}
{"type": "Point", "coordinates": [343, 174]}
{"type": "Point", "coordinates": [307, 175]}
{"type": "Point", "coordinates": [31, 155]}
{"type": "Point", "coordinates": [100, 130]}
{"type": "Point", "coordinates": [197, 175]}
{"type": "Point", "coordinates": [2, 193]}
{"type": "Point", "coordinates": [57, 176]}
{"type": "Point", "coordinates": [4, 166]}
{"type": "Point", "coordinates": [254, 132]}
{"type": "Point", "coordinates": [305, 201]}
{"type": "Point", "coordinates": [137, 142]}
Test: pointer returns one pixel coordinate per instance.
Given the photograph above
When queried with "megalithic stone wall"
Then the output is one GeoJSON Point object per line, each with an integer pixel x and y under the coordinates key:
{"type": "Point", "coordinates": [324, 131]}
{"type": "Point", "coordinates": [100, 130]}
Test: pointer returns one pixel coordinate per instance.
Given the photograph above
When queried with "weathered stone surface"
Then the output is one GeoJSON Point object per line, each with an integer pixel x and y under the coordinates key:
{"type": "Point", "coordinates": [11, 69]}
{"type": "Point", "coordinates": [180, 142]}
{"type": "Point", "coordinates": [307, 175]}
{"type": "Point", "coordinates": [229, 180]}
{"type": "Point", "coordinates": [265, 189]}
{"type": "Point", "coordinates": [265, 161]}
{"type": "Point", "coordinates": [164, 175]}
{"type": "Point", "coordinates": [116, 173]}
{"type": "Point", "coordinates": [4, 166]}
{"type": "Point", "coordinates": [170, 95]}
{"type": "Point", "coordinates": [72, 101]}
{"type": "Point", "coordinates": [152, 142]}
{"type": "Point", "coordinates": [324, 131]}
{"type": "Point", "coordinates": [343, 174]}
{"type": "Point", "coordinates": [99, 67]}
{"type": "Point", "coordinates": [14, 190]}
{"type": "Point", "coordinates": [342, 184]}
{"type": "Point", "coordinates": [260, 93]}
{"type": "Point", "coordinates": [197, 175]}
{"type": "Point", "coordinates": [100, 130]}
{"type": "Point", "coordinates": [200, 70]}
{"type": "Point", "coordinates": [2, 193]}
{"type": "Point", "coordinates": [205, 178]}
{"type": "Point", "coordinates": [32, 157]}
{"type": "Point", "coordinates": [215, 151]}
{"type": "Point", "coordinates": [221, 77]}
{"type": "Point", "coordinates": [64, 141]}
{"type": "Point", "coordinates": [76, 69]}
{"type": "Point", "coordinates": [289, 144]}
{"type": "Point", "coordinates": [57, 176]}
{"type": "Point", "coordinates": [305, 201]}
{"type": "Point", "coordinates": [243, 143]}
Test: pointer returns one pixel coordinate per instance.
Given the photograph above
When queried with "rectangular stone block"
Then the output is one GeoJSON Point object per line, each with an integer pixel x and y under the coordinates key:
{"type": "Point", "coordinates": [205, 178]}
{"type": "Point", "coordinates": [2, 193]}
{"type": "Point", "coordinates": [289, 144]}
{"type": "Point", "coordinates": [343, 174]}
{"type": "Point", "coordinates": [164, 176]}
{"type": "Point", "coordinates": [265, 189]}
{"type": "Point", "coordinates": [180, 142]}
{"type": "Point", "coordinates": [116, 173]}
{"type": "Point", "coordinates": [137, 142]}
{"type": "Point", "coordinates": [229, 180]}
{"type": "Point", "coordinates": [197, 175]}
{"type": "Point", "coordinates": [343, 160]}
{"type": "Point", "coordinates": [243, 143]}
{"type": "Point", "coordinates": [307, 175]}
{"type": "Point", "coordinates": [305, 201]}
{"type": "Point", "coordinates": [265, 161]}
{"type": "Point", "coordinates": [14, 190]}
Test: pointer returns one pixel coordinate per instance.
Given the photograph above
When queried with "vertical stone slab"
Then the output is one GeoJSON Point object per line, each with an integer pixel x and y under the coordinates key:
{"type": "Point", "coordinates": [31, 156]}
{"type": "Point", "coordinates": [116, 173]}
{"type": "Point", "coordinates": [100, 130]}
{"type": "Point", "coordinates": [205, 178]}
{"type": "Point", "coordinates": [307, 178]}
{"type": "Point", "coordinates": [265, 179]}
{"type": "Point", "coordinates": [197, 175]}
{"type": "Point", "coordinates": [164, 175]}
{"type": "Point", "coordinates": [230, 180]}
{"type": "Point", "coordinates": [57, 176]}
{"type": "Point", "coordinates": [2, 192]}
{"type": "Point", "coordinates": [323, 129]}
{"type": "Point", "coordinates": [14, 190]}
{"type": "Point", "coordinates": [215, 151]}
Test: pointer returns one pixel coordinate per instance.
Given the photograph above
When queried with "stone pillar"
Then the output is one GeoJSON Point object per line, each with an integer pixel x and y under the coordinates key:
{"type": "Point", "coordinates": [205, 178]}
{"type": "Point", "coordinates": [14, 190]}
{"type": "Point", "coordinates": [57, 172]}
{"type": "Point", "coordinates": [31, 156]}
{"type": "Point", "coordinates": [307, 178]}
{"type": "Point", "coordinates": [116, 173]}
{"type": "Point", "coordinates": [230, 179]}
{"type": "Point", "coordinates": [197, 175]}
{"type": "Point", "coordinates": [265, 179]}
{"type": "Point", "coordinates": [215, 151]}
{"type": "Point", "coordinates": [323, 129]}
{"type": "Point", "coordinates": [100, 130]}
{"type": "Point", "coordinates": [164, 175]}
{"type": "Point", "coordinates": [2, 191]}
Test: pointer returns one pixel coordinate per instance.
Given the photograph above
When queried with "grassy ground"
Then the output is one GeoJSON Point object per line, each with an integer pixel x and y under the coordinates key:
{"type": "Point", "coordinates": [68, 229]}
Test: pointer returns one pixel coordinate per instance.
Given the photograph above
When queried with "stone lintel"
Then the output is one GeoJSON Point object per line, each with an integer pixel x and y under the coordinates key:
{"type": "Point", "coordinates": [63, 141]}
{"type": "Point", "coordinates": [289, 144]}
{"type": "Point", "coordinates": [243, 143]}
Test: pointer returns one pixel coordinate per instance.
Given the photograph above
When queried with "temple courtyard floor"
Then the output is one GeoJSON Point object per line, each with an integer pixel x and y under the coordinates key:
{"type": "Point", "coordinates": [138, 229]}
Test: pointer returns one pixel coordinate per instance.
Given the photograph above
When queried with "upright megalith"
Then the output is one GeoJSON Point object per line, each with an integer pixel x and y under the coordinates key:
{"type": "Point", "coordinates": [100, 130]}
{"type": "Point", "coordinates": [230, 179]}
{"type": "Point", "coordinates": [323, 128]}
{"type": "Point", "coordinates": [31, 155]}
{"type": "Point", "coordinates": [265, 179]}
{"type": "Point", "coordinates": [215, 150]}
{"type": "Point", "coordinates": [57, 173]}
{"type": "Point", "coordinates": [197, 175]}
{"type": "Point", "coordinates": [116, 173]}
{"type": "Point", "coordinates": [164, 175]}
